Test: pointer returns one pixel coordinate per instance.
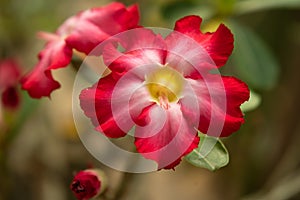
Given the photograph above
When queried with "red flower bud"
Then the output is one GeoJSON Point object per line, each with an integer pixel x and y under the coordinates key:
{"type": "Point", "coordinates": [88, 184]}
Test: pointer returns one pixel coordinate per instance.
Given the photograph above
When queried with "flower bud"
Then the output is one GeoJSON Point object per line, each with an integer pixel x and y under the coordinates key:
{"type": "Point", "coordinates": [88, 183]}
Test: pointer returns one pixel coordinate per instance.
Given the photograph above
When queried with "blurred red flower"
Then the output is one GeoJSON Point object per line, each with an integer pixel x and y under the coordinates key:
{"type": "Point", "coordinates": [10, 73]}
{"type": "Point", "coordinates": [82, 32]}
{"type": "Point", "coordinates": [164, 87]}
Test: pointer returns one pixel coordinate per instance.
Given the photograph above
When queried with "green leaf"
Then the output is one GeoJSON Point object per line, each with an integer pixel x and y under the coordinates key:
{"type": "Point", "coordinates": [211, 154]}
{"type": "Point", "coordinates": [247, 6]}
{"type": "Point", "coordinates": [225, 7]}
{"type": "Point", "coordinates": [252, 103]}
{"type": "Point", "coordinates": [253, 61]}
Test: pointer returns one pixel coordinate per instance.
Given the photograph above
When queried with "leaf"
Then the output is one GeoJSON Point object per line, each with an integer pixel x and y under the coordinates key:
{"type": "Point", "coordinates": [224, 7]}
{"type": "Point", "coordinates": [252, 103]}
{"type": "Point", "coordinates": [253, 61]}
{"type": "Point", "coordinates": [211, 154]}
{"type": "Point", "coordinates": [247, 6]}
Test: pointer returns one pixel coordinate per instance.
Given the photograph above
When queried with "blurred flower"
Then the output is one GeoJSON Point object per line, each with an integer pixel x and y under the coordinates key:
{"type": "Point", "coordinates": [165, 87]}
{"type": "Point", "coordinates": [82, 32]}
{"type": "Point", "coordinates": [88, 184]}
{"type": "Point", "coordinates": [9, 78]}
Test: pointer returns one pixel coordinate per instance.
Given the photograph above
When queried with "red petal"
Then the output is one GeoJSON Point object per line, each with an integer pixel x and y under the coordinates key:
{"type": "Point", "coordinates": [187, 56]}
{"type": "Point", "coordinates": [113, 104]}
{"type": "Point", "coordinates": [145, 59]}
{"type": "Point", "coordinates": [237, 92]}
{"type": "Point", "coordinates": [140, 38]}
{"type": "Point", "coordinates": [143, 49]}
{"type": "Point", "coordinates": [219, 44]}
{"type": "Point", "coordinates": [93, 26]}
{"type": "Point", "coordinates": [39, 82]}
{"type": "Point", "coordinates": [132, 18]}
{"type": "Point", "coordinates": [96, 104]}
{"type": "Point", "coordinates": [85, 185]}
{"type": "Point", "coordinates": [219, 104]}
{"type": "Point", "coordinates": [167, 137]}
{"type": "Point", "coordinates": [9, 73]}
{"type": "Point", "coordinates": [188, 24]}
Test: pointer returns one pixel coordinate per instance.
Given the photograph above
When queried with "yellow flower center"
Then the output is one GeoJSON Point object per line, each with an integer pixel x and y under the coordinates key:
{"type": "Point", "coordinates": [165, 86]}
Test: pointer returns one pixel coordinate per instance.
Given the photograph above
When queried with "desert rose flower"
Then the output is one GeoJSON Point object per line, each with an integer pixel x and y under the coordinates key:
{"type": "Point", "coordinates": [10, 73]}
{"type": "Point", "coordinates": [81, 32]}
{"type": "Point", "coordinates": [88, 183]}
{"type": "Point", "coordinates": [165, 88]}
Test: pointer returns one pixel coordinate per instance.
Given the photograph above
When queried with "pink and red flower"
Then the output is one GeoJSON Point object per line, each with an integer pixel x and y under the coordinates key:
{"type": "Point", "coordinates": [87, 184]}
{"type": "Point", "coordinates": [82, 32]}
{"type": "Point", "coordinates": [10, 73]}
{"type": "Point", "coordinates": [165, 88]}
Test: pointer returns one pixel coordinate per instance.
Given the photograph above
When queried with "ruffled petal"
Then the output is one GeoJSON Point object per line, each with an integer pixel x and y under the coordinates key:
{"type": "Point", "coordinates": [140, 38]}
{"type": "Point", "coordinates": [96, 104]}
{"type": "Point", "coordinates": [113, 104]}
{"type": "Point", "coordinates": [166, 137]}
{"type": "Point", "coordinates": [93, 26]}
{"type": "Point", "coordinates": [83, 32]}
{"type": "Point", "coordinates": [39, 82]}
{"type": "Point", "coordinates": [219, 45]}
{"type": "Point", "coordinates": [237, 92]}
{"type": "Point", "coordinates": [187, 56]}
{"type": "Point", "coordinates": [142, 48]}
{"type": "Point", "coordinates": [219, 101]}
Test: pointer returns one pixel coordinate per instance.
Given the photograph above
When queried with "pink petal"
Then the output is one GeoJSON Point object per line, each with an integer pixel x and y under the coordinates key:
{"type": "Point", "coordinates": [142, 48]}
{"type": "Point", "coordinates": [82, 32]}
{"type": "Point", "coordinates": [187, 56]}
{"type": "Point", "coordinates": [140, 38]}
{"type": "Point", "coordinates": [145, 59]}
{"type": "Point", "coordinates": [219, 44]}
{"type": "Point", "coordinates": [39, 82]}
{"type": "Point", "coordinates": [91, 27]}
{"type": "Point", "coordinates": [219, 104]}
{"type": "Point", "coordinates": [167, 137]}
{"type": "Point", "coordinates": [113, 104]}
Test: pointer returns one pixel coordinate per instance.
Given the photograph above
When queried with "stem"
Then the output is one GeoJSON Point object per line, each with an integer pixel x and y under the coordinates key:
{"type": "Point", "coordinates": [123, 186]}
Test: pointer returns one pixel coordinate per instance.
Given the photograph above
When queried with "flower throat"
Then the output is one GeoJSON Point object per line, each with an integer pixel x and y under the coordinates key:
{"type": "Point", "coordinates": [165, 86]}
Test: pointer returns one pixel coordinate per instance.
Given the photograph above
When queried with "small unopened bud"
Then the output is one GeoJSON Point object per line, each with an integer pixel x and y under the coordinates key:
{"type": "Point", "coordinates": [88, 184]}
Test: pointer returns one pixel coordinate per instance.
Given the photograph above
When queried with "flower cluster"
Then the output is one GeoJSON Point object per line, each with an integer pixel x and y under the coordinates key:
{"type": "Point", "coordinates": [163, 85]}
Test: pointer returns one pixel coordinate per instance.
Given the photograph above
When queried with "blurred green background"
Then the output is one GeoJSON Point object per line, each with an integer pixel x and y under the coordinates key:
{"type": "Point", "coordinates": [40, 149]}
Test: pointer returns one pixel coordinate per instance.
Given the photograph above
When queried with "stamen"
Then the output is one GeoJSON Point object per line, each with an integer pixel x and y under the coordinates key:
{"type": "Point", "coordinates": [164, 102]}
{"type": "Point", "coordinates": [165, 86]}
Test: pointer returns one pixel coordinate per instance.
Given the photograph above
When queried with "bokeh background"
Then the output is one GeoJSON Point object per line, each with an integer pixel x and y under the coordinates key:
{"type": "Point", "coordinates": [40, 150]}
